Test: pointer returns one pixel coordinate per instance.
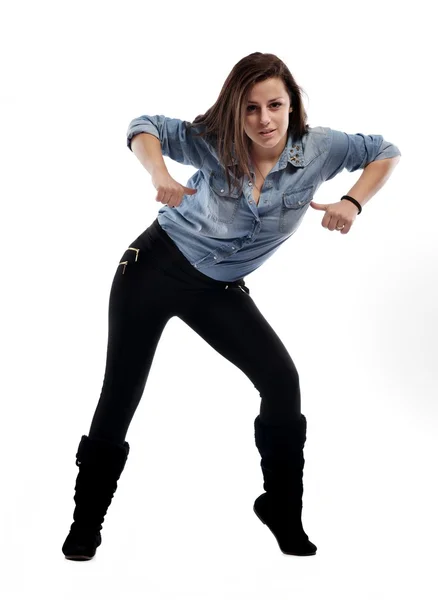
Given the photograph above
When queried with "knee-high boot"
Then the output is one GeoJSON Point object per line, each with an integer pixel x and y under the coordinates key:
{"type": "Point", "coordinates": [100, 465]}
{"type": "Point", "coordinates": [280, 507]}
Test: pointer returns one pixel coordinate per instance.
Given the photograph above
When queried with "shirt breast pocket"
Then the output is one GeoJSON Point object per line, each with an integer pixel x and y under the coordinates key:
{"type": "Point", "coordinates": [293, 207]}
{"type": "Point", "coordinates": [224, 202]}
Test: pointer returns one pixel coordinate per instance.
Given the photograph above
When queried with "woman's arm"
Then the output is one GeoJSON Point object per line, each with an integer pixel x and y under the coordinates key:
{"type": "Point", "coordinates": [147, 149]}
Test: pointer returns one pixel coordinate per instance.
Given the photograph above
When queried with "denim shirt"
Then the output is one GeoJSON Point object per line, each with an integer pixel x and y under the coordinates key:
{"type": "Point", "coordinates": [226, 235]}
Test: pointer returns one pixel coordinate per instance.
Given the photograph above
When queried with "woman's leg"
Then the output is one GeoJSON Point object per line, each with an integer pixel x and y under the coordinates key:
{"type": "Point", "coordinates": [138, 312]}
{"type": "Point", "coordinates": [230, 322]}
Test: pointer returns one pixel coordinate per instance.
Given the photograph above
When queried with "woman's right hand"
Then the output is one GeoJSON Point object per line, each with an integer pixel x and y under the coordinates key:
{"type": "Point", "coordinates": [169, 191]}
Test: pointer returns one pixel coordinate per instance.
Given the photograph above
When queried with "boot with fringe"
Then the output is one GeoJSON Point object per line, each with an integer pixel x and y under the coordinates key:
{"type": "Point", "coordinates": [280, 507]}
{"type": "Point", "coordinates": [100, 465]}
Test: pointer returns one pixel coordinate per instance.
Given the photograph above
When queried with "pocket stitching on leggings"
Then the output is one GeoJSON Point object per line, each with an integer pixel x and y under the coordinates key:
{"type": "Point", "coordinates": [126, 262]}
{"type": "Point", "coordinates": [244, 289]}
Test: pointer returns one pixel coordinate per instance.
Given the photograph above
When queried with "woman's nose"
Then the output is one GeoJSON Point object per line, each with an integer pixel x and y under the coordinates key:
{"type": "Point", "coordinates": [264, 117]}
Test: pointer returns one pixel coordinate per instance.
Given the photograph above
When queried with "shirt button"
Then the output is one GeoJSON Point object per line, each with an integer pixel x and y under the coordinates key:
{"type": "Point", "coordinates": [222, 190]}
{"type": "Point", "coordinates": [249, 183]}
{"type": "Point", "coordinates": [214, 257]}
{"type": "Point", "coordinates": [232, 247]}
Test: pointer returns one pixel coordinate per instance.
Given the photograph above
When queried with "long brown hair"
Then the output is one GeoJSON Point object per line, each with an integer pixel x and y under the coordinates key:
{"type": "Point", "coordinates": [223, 122]}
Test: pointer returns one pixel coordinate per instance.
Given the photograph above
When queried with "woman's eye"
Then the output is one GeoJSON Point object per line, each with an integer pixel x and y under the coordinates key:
{"type": "Point", "coordinates": [253, 105]}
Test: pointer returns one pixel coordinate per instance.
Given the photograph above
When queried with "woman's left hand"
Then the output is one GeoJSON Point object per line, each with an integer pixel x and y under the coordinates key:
{"type": "Point", "coordinates": [337, 214]}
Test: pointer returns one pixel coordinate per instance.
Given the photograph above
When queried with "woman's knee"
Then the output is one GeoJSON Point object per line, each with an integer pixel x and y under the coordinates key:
{"type": "Point", "coordinates": [286, 378]}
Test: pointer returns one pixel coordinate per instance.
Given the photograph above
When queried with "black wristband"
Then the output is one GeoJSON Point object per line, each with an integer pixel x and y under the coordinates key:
{"type": "Point", "coordinates": [354, 201]}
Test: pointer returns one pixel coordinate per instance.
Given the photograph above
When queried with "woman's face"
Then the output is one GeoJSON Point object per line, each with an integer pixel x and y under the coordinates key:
{"type": "Point", "coordinates": [267, 107]}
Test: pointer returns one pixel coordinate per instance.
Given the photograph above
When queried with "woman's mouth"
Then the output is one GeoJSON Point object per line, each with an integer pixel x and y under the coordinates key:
{"type": "Point", "coordinates": [270, 134]}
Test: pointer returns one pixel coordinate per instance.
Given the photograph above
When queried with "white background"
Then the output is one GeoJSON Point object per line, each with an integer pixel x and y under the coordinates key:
{"type": "Point", "coordinates": [357, 312]}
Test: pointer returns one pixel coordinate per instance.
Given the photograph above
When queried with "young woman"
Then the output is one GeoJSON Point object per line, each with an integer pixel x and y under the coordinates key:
{"type": "Point", "coordinates": [259, 166]}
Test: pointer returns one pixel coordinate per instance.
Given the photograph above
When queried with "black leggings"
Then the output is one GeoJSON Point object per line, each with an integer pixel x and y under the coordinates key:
{"type": "Point", "coordinates": [155, 282]}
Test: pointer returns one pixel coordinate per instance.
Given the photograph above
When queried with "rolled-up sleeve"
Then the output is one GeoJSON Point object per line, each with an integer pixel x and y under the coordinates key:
{"type": "Point", "coordinates": [354, 151]}
{"type": "Point", "coordinates": [177, 141]}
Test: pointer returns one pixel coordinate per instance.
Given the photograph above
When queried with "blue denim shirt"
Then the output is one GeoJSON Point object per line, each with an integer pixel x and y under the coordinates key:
{"type": "Point", "coordinates": [226, 235]}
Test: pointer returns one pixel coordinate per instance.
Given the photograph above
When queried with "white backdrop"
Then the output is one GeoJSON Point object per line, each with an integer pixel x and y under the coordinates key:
{"type": "Point", "coordinates": [356, 311]}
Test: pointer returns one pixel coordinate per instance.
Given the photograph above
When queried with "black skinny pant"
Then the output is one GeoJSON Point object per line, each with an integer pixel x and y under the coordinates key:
{"type": "Point", "coordinates": [155, 282]}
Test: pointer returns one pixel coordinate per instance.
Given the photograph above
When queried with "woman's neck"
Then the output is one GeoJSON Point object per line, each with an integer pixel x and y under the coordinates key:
{"type": "Point", "coordinates": [271, 155]}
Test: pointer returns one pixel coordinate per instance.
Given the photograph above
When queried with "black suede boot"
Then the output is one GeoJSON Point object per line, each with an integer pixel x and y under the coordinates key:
{"type": "Point", "coordinates": [280, 507]}
{"type": "Point", "coordinates": [100, 465]}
